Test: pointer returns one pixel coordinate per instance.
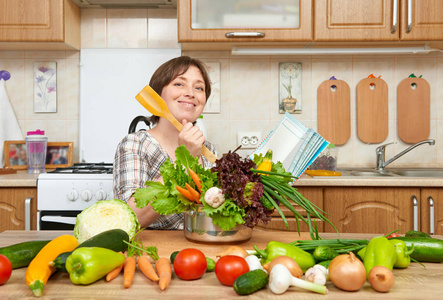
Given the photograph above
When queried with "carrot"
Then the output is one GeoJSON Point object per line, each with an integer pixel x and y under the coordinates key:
{"type": "Point", "coordinates": [128, 271]}
{"type": "Point", "coordinates": [194, 193]}
{"type": "Point", "coordinates": [114, 273]}
{"type": "Point", "coordinates": [164, 270]}
{"type": "Point", "coordinates": [146, 267]}
{"type": "Point", "coordinates": [185, 193]}
{"type": "Point", "coordinates": [196, 179]}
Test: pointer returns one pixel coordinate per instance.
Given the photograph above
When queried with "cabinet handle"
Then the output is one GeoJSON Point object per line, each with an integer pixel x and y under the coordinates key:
{"type": "Point", "coordinates": [244, 34]}
{"type": "Point", "coordinates": [431, 215]}
{"type": "Point", "coordinates": [409, 16]}
{"type": "Point", "coordinates": [415, 203]}
{"type": "Point", "coordinates": [394, 16]}
{"type": "Point", "coordinates": [28, 213]}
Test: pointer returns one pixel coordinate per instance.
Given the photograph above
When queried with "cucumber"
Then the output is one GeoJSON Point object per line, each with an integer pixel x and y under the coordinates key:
{"type": "Point", "coordinates": [111, 239]}
{"type": "Point", "coordinates": [22, 254]}
{"type": "Point", "coordinates": [426, 249]}
{"type": "Point", "coordinates": [414, 233]}
{"type": "Point", "coordinates": [251, 282]}
{"type": "Point", "coordinates": [210, 264]}
{"type": "Point", "coordinates": [322, 253]}
{"type": "Point", "coordinates": [325, 263]}
{"type": "Point", "coordinates": [173, 255]}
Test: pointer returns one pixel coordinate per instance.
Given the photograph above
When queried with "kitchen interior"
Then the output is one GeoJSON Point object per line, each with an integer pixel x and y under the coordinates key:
{"type": "Point", "coordinates": [109, 49]}
{"type": "Point", "coordinates": [248, 91]}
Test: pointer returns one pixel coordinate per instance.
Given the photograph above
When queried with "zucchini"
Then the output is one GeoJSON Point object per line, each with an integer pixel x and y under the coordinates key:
{"type": "Point", "coordinates": [426, 249]}
{"type": "Point", "coordinates": [112, 239]}
{"type": "Point", "coordinates": [251, 282]}
{"type": "Point", "coordinates": [22, 254]}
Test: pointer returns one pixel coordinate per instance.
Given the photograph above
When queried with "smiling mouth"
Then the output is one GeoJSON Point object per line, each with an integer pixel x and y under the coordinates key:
{"type": "Point", "coordinates": [188, 104]}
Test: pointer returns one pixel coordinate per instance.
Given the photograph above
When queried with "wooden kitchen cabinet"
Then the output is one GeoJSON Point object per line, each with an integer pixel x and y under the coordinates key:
{"type": "Point", "coordinates": [425, 22]}
{"type": "Point", "coordinates": [372, 209]}
{"type": "Point", "coordinates": [431, 210]}
{"type": "Point", "coordinates": [355, 20]}
{"type": "Point", "coordinates": [378, 20]}
{"type": "Point", "coordinates": [14, 203]}
{"type": "Point", "coordinates": [313, 194]}
{"type": "Point", "coordinates": [39, 25]}
{"type": "Point", "coordinates": [220, 24]}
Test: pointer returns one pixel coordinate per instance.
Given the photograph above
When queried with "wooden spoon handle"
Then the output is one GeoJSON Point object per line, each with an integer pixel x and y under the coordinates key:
{"type": "Point", "coordinates": [157, 106]}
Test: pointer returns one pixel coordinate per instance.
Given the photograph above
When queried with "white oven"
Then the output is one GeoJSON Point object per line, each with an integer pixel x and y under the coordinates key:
{"type": "Point", "coordinates": [63, 193]}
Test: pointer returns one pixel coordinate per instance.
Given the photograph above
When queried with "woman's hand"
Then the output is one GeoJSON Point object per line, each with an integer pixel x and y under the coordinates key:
{"type": "Point", "coordinates": [192, 137]}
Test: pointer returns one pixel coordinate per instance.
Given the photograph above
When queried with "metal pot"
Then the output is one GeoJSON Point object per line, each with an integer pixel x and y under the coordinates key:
{"type": "Point", "coordinates": [199, 228]}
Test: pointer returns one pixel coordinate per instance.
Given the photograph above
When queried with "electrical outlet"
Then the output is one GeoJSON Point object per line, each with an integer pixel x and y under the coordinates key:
{"type": "Point", "coordinates": [249, 140]}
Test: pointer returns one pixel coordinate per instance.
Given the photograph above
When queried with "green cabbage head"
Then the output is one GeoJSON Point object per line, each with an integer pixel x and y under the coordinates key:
{"type": "Point", "coordinates": [105, 215]}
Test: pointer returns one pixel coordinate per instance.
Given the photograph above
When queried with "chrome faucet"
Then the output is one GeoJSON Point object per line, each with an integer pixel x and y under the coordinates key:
{"type": "Point", "coordinates": [380, 153]}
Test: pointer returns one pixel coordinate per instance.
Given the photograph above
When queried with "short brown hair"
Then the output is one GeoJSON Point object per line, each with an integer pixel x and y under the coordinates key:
{"type": "Point", "coordinates": [173, 68]}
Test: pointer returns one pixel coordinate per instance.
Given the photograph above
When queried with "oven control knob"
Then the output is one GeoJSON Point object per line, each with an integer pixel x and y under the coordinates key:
{"type": "Point", "coordinates": [86, 195]}
{"type": "Point", "coordinates": [72, 195]}
{"type": "Point", "coordinates": [100, 195]}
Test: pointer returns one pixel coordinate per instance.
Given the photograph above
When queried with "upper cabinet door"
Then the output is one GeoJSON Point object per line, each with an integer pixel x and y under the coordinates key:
{"type": "Point", "coordinates": [356, 20]}
{"type": "Point", "coordinates": [39, 24]}
{"type": "Point", "coordinates": [244, 21]}
{"type": "Point", "coordinates": [422, 20]}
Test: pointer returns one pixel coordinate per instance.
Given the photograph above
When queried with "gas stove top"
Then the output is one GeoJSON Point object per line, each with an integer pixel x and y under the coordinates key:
{"type": "Point", "coordinates": [85, 168]}
{"type": "Point", "coordinates": [74, 188]}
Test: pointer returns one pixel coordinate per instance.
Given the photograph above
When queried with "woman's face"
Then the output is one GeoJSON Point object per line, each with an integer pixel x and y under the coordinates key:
{"type": "Point", "coordinates": [185, 95]}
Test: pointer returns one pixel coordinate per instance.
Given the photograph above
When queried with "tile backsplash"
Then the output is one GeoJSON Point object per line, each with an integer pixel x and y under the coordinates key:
{"type": "Point", "coordinates": [249, 86]}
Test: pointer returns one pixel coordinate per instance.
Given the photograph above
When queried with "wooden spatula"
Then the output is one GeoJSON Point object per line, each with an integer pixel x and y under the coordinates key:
{"type": "Point", "coordinates": [157, 106]}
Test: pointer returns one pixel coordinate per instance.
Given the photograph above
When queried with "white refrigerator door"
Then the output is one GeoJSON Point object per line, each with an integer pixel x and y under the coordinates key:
{"type": "Point", "coordinates": [109, 81]}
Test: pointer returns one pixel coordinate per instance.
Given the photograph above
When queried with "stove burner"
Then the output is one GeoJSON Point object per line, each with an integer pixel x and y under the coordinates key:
{"type": "Point", "coordinates": [86, 168]}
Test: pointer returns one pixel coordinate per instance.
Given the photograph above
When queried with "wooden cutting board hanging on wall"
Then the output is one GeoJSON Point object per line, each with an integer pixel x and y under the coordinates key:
{"type": "Point", "coordinates": [334, 111]}
{"type": "Point", "coordinates": [413, 110]}
{"type": "Point", "coordinates": [372, 110]}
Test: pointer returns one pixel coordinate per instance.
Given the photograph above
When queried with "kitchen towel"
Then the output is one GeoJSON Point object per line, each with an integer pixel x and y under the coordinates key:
{"type": "Point", "coordinates": [9, 128]}
{"type": "Point", "coordinates": [293, 144]}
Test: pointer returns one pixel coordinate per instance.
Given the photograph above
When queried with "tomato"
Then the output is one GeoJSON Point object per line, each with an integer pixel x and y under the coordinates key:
{"type": "Point", "coordinates": [392, 235]}
{"type": "Point", "coordinates": [5, 269]}
{"type": "Point", "coordinates": [190, 264]}
{"type": "Point", "coordinates": [229, 267]}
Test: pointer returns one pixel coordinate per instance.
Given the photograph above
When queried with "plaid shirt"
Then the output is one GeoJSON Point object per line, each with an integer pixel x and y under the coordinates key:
{"type": "Point", "coordinates": [138, 158]}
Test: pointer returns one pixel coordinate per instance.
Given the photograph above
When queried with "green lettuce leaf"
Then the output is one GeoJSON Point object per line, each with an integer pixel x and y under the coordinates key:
{"type": "Point", "coordinates": [227, 215]}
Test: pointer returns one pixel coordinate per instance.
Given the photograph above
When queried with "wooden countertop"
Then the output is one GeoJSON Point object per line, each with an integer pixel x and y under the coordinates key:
{"type": "Point", "coordinates": [412, 283]}
{"type": "Point", "coordinates": [19, 179]}
{"type": "Point", "coordinates": [22, 179]}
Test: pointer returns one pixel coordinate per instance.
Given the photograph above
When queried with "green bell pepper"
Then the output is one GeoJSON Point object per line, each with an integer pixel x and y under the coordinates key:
{"type": "Point", "coordinates": [379, 252]}
{"type": "Point", "coordinates": [403, 259]}
{"type": "Point", "coordinates": [304, 259]}
{"type": "Point", "coordinates": [403, 253]}
{"type": "Point", "coordinates": [89, 264]}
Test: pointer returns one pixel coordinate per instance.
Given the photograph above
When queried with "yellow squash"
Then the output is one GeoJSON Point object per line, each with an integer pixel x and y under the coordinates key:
{"type": "Point", "coordinates": [39, 270]}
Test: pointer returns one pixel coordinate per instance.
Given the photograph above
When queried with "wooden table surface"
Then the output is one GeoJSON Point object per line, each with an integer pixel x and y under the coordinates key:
{"type": "Point", "coordinates": [415, 282]}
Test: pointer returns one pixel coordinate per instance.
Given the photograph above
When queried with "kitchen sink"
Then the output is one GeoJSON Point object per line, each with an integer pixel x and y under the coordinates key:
{"type": "Point", "coordinates": [419, 172]}
{"type": "Point", "coordinates": [412, 172]}
{"type": "Point", "coordinates": [370, 173]}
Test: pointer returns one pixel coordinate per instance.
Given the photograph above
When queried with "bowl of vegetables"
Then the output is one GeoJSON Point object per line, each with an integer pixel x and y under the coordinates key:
{"type": "Point", "coordinates": [224, 203]}
{"type": "Point", "coordinates": [200, 228]}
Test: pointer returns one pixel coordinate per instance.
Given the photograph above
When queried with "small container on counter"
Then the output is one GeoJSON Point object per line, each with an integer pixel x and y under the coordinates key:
{"type": "Point", "coordinates": [36, 144]}
{"type": "Point", "coordinates": [327, 160]}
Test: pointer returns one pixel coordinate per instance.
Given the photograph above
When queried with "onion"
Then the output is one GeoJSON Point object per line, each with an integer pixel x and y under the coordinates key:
{"type": "Point", "coordinates": [347, 272]}
{"type": "Point", "coordinates": [381, 279]}
{"type": "Point", "coordinates": [288, 262]}
{"type": "Point", "coordinates": [233, 250]}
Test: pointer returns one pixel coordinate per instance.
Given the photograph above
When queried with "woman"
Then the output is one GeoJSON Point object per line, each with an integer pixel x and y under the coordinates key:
{"type": "Point", "coordinates": [184, 84]}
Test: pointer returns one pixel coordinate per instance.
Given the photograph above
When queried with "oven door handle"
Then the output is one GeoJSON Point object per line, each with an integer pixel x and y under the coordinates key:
{"type": "Point", "coordinates": [59, 219]}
